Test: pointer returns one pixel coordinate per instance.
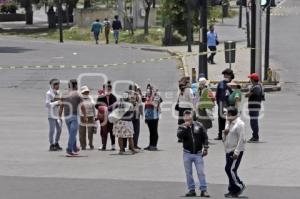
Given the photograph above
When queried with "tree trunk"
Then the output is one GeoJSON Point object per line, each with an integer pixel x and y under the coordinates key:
{"type": "Point", "coordinates": [146, 25]}
{"type": "Point", "coordinates": [87, 4]}
{"type": "Point", "coordinates": [29, 15]}
{"type": "Point", "coordinates": [28, 12]}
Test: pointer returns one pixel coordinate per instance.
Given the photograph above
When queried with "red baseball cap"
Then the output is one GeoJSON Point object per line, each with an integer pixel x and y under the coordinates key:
{"type": "Point", "coordinates": [254, 76]}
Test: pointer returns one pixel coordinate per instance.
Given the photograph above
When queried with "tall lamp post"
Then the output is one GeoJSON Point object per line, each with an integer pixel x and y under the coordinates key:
{"type": "Point", "coordinates": [189, 25]}
{"type": "Point", "coordinates": [203, 39]}
{"type": "Point", "coordinates": [60, 21]}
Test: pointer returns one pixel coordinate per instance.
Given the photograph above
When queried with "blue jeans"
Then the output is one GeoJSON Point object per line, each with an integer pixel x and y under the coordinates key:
{"type": "Point", "coordinates": [116, 35]}
{"type": "Point", "coordinates": [254, 123]}
{"type": "Point", "coordinates": [73, 125]}
{"type": "Point", "coordinates": [188, 160]}
{"type": "Point", "coordinates": [54, 127]}
{"type": "Point", "coordinates": [96, 35]}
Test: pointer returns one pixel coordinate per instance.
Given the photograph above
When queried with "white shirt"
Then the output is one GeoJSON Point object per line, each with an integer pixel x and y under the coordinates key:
{"type": "Point", "coordinates": [52, 104]}
{"type": "Point", "coordinates": [186, 99]}
{"type": "Point", "coordinates": [235, 140]}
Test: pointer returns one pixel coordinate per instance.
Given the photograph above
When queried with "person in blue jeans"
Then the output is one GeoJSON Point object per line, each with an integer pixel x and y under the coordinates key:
{"type": "Point", "coordinates": [71, 102]}
{"type": "Point", "coordinates": [52, 104]}
{"type": "Point", "coordinates": [212, 42]}
{"type": "Point", "coordinates": [96, 29]}
{"type": "Point", "coordinates": [117, 26]}
{"type": "Point", "coordinates": [195, 147]}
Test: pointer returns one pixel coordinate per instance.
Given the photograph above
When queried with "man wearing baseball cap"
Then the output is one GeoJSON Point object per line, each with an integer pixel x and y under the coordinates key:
{"type": "Point", "coordinates": [222, 94]}
{"type": "Point", "coordinates": [255, 97]}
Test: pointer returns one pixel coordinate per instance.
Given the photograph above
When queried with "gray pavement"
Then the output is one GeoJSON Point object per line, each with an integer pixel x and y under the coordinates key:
{"type": "Point", "coordinates": [270, 169]}
{"type": "Point", "coordinates": [119, 189]}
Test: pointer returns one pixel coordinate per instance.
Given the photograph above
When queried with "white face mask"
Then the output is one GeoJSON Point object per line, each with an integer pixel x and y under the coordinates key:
{"type": "Point", "coordinates": [226, 79]}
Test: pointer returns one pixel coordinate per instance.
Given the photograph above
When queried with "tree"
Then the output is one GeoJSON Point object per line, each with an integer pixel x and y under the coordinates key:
{"type": "Point", "coordinates": [174, 12]}
{"type": "Point", "coordinates": [148, 4]}
{"type": "Point", "coordinates": [27, 5]}
{"type": "Point", "coordinates": [87, 4]}
{"type": "Point", "coordinates": [70, 5]}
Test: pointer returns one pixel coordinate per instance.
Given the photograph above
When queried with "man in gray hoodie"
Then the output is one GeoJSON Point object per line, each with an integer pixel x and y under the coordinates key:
{"type": "Point", "coordinates": [52, 104]}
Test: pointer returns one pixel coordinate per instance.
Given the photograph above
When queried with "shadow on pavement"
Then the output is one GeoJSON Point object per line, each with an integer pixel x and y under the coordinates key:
{"type": "Point", "coordinates": [13, 49]}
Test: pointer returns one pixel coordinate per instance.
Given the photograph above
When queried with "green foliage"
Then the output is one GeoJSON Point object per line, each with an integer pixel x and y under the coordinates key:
{"type": "Point", "coordinates": [175, 12]}
{"type": "Point", "coordinates": [84, 34]}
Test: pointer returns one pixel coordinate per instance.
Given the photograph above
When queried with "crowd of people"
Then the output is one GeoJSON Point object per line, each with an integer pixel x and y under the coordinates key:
{"type": "Point", "coordinates": [195, 106]}
{"type": "Point", "coordinates": [106, 25]}
{"type": "Point", "coordinates": [118, 118]}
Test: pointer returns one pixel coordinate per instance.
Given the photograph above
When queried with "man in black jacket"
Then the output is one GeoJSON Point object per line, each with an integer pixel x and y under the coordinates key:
{"type": "Point", "coordinates": [195, 145]}
{"type": "Point", "coordinates": [106, 98]}
{"type": "Point", "coordinates": [117, 26]}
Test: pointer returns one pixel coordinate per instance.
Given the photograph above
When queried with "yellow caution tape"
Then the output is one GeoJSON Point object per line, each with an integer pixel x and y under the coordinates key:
{"type": "Point", "coordinates": [143, 61]}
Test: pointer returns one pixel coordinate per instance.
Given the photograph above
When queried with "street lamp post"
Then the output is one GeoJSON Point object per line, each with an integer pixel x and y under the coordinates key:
{"type": "Point", "coordinates": [203, 39]}
{"type": "Point", "coordinates": [258, 39]}
{"type": "Point", "coordinates": [241, 15]}
{"type": "Point", "coordinates": [189, 25]}
{"type": "Point", "coordinates": [60, 21]}
{"type": "Point", "coordinates": [253, 35]}
{"type": "Point", "coordinates": [267, 42]}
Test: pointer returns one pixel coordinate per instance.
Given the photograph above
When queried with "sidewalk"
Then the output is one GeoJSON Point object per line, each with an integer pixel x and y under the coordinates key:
{"type": "Point", "coordinates": [226, 31]}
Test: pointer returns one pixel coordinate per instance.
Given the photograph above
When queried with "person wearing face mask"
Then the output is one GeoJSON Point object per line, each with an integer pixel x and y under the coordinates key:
{"type": "Point", "coordinates": [52, 104]}
{"type": "Point", "coordinates": [222, 95]}
{"type": "Point", "coordinates": [234, 143]}
{"type": "Point", "coordinates": [136, 100]}
{"type": "Point", "coordinates": [105, 99]}
{"type": "Point", "coordinates": [195, 147]}
{"type": "Point", "coordinates": [152, 113]}
{"type": "Point", "coordinates": [122, 113]}
{"type": "Point", "coordinates": [89, 127]}
{"type": "Point", "coordinates": [235, 97]}
{"type": "Point", "coordinates": [206, 104]}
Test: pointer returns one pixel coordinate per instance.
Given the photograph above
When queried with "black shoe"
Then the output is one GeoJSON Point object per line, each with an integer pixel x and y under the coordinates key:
{"type": "Point", "coordinates": [92, 147]}
{"type": "Point", "coordinates": [204, 194]}
{"type": "Point", "coordinates": [191, 193]}
{"type": "Point", "coordinates": [218, 138]}
{"type": "Point", "coordinates": [212, 62]}
{"type": "Point", "coordinates": [52, 148]}
{"type": "Point", "coordinates": [58, 147]}
{"type": "Point", "coordinates": [180, 141]}
{"type": "Point", "coordinates": [153, 148]}
{"type": "Point", "coordinates": [242, 190]}
{"type": "Point", "coordinates": [147, 148]}
{"type": "Point", "coordinates": [102, 148]}
{"type": "Point", "coordinates": [253, 140]}
{"type": "Point", "coordinates": [83, 148]}
{"type": "Point", "coordinates": [230, 195]}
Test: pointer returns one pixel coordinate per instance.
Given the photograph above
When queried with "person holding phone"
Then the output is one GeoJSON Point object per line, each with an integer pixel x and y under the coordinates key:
{"type": "Point", "coordinates": [195, 147]}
